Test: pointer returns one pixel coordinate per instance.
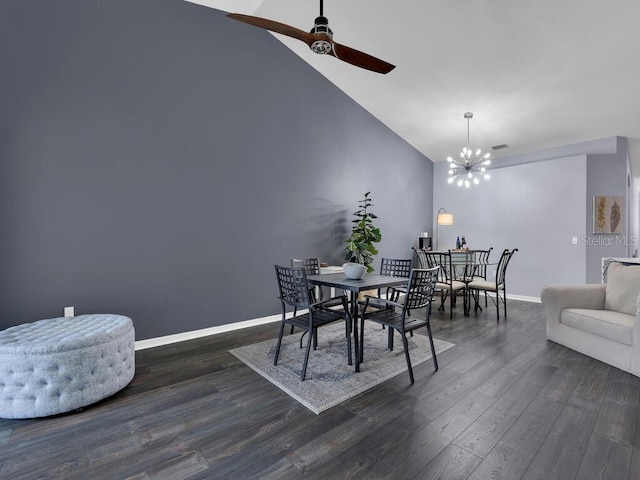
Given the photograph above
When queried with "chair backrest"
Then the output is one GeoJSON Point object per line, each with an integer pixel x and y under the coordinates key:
{"type": "Point", "coordinates": [481, 258]}
{"type": "Point", "coordinates": [502, 265]}
{"type": "Point", "coordinates": [441, 260]}
{"type": "Point", "coordinates": [292, 285]}
{"type": "Point", "coordinates": [461, 264]}
{"type": "Point", "coordinates": [420, 257]}
{"type": "Point", "coordinates": [396, 267]}
{"type": "Point", "coordinates": [311, 265]}
{"type": "Point", "coordinates": [422, 284]}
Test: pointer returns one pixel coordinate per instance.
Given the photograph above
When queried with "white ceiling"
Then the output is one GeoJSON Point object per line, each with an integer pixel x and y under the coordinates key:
{"type": "Point", "coordinates": [536, 74]}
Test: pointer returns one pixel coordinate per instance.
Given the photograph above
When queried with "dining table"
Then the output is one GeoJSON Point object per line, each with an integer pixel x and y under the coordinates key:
{"type": "Point", "coordinates": [465, 266]}
{"type": "Point", "coordinates": [370, 281]}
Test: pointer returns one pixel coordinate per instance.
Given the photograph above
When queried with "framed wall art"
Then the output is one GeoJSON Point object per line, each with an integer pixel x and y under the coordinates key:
{"type": "Point", "coordinates": [608, 214]}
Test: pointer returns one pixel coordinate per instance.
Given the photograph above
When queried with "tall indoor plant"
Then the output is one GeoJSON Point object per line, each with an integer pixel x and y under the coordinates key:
{"type": "Point", "coordinates": [360, 248]}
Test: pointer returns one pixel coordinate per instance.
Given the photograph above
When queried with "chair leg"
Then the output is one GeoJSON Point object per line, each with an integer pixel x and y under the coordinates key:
{"type": "Point", "coordinates": [451, 305]}
{"type": "Point", "coordinates": [275, 359]}
{"type": "Point", "coordinates": [315, 338]}
{"type": "Point", "coordinates": [464, 298]}
{"type": "Point", "coordinates": [347, 334]}
{"type": "Point", "coordinates": [433, 348]}
{"type": "Point", "coordinates": [405, 343]}
{"type": "Point", "coordinates": [443, 297]}
{"type": "Point", "coordinates": [306, 358]}
{"type": "Point", "coordinates": [498, 305]}
{"type": "Point", "coordinates": [390, 339]}
{"type": "Point", "coordinates": [295, 309]}
{"type": "Point", "coordinates": [360, 353]}
{"type": "Point", "coordinates": [505, 304]}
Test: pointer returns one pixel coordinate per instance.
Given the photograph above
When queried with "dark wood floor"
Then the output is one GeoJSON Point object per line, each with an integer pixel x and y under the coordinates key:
{"type": "Point", "coordinates": [505, 404]}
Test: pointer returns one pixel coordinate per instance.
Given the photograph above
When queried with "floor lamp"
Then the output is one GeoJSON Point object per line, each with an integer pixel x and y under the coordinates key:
{"type": "Point", "coordinates": [442, 218]}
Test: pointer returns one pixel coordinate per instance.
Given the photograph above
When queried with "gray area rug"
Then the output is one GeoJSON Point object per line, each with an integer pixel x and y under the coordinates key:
{"type": "Point", "coordinates": [329, 379]}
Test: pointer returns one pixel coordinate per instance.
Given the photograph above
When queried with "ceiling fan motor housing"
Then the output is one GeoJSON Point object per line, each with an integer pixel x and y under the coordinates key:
{"type": "Point", "coordinates": [321, 26]}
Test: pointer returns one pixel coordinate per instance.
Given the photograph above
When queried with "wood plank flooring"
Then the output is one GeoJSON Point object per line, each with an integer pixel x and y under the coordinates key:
{"type": "Point", "coordinates": [505, 404]}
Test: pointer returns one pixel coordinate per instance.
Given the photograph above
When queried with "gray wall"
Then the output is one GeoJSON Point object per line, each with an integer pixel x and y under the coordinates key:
{"type": "Point", "coordinates": [157, 159]}
{"type": "Point", "coordinates": [607, 175]}
{"type": "Point", "coordinates": [539, 201]}
{"type": "Point", "coordinates": [525, 206]}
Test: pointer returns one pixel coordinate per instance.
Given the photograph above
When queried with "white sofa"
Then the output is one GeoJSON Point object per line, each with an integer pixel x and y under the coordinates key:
{"type": "Point", "coordinates": [600, 320]}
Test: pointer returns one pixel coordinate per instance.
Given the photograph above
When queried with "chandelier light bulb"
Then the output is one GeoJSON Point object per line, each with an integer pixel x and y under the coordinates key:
{"type": "Point", "coordinates": [471, 166]}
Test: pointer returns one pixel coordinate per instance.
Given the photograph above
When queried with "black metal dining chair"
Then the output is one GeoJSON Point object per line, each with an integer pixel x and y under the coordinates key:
{"type": "Point", "coordinates": [294, 293]}
{"type": "Point", "coordinates": [420, 257]}
{"type": "Point", "coordinates": [419, 294]}
{"type": "Point", "coordinates": [497, 287]}
{"type": "Point", "coordinates": [446, 285]}
{"type": "Point", "coordinates": [312, 267]}
{"type": "Point", "coordinates": [395, 267]}
{"type": "Point", "coordinates": [479, 271]}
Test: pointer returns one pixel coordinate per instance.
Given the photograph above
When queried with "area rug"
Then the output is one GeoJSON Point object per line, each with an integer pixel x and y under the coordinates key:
{"type": "Point", "coordinates": [329, 380]}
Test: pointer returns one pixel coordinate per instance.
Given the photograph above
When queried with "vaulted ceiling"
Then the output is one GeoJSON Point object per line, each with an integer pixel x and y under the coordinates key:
{"type": "Point", "coordinates": [535, 74]}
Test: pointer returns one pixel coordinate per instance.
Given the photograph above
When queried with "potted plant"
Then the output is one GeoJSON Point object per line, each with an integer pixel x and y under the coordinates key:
{"type": "Point", "coordinates": [360, 248]}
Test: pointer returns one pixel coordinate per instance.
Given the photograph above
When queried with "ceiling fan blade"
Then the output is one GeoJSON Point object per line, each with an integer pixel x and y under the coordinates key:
{"type": "Point", "coordinates": [277, 27]}
{"type": "Point", "coordinates": [360, 59]}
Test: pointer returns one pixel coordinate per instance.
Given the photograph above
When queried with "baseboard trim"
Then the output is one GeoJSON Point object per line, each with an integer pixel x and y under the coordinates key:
{"type": "Point", "coordinates": [524, 298]}
{"type": "Point", "coordinates": [230, 327]}
{"type": "Point", "coordinates": [181, 337]}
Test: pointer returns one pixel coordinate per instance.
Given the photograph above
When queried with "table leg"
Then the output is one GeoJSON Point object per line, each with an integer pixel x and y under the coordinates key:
{"type": "Point", "coordinates": [348, 337]}
{"type": "Point", "coordinates": [467, 301]}
{"type": "Point", "coordinates": [354, 316]}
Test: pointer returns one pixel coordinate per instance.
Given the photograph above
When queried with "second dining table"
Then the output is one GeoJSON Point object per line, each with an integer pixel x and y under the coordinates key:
{"type": "Point", "coordinates": [369, 281]}
{"type": "Point", "coordinates": [465, 266]}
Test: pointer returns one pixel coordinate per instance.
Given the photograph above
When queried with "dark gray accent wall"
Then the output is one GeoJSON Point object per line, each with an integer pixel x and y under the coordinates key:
{"type": "Point", "coordinates": [157, 159]}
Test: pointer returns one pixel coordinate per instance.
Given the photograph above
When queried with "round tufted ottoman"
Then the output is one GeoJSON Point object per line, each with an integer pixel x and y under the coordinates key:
{"type": "Point", "coordinates": [60, 364]}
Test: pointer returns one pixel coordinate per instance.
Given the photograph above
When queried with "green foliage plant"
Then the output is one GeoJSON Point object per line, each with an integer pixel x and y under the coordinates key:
{"type": "Point", "coordinates": [360, 248]}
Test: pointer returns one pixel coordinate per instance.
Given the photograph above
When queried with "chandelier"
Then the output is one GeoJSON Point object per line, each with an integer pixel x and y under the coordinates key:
{"type": "Point", "coordinates": [471, 165]}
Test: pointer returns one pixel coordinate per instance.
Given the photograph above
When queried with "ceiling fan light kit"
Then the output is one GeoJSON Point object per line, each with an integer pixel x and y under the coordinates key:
{"type": "Point", "coordinates": [471, 166]}
{"type": "Point", "coordinates": [319, 40]}
{"type": "Point", "coordinates": [321, 26]}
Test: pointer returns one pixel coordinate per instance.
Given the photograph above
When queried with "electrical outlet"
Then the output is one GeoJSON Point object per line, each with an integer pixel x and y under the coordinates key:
{"type": "Point", "coordinates": [69, 312]}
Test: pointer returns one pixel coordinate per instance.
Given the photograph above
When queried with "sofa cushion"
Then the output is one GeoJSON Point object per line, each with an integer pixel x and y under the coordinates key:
{"type": "Point", "coordinates": [623, 286]}
{"type": "Point", "coordinates": [603, 323]}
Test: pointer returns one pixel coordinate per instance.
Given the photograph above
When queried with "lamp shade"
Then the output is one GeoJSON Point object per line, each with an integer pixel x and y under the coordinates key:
{"type": "Point", "coordinates": [445, 219]}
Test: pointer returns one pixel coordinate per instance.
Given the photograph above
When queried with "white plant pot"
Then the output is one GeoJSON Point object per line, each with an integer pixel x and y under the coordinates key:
{"type": "Point", "coordinates": [354, 271]}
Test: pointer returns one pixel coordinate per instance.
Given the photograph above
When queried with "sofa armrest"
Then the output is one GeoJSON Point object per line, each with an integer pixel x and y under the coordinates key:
{"type": "Point", "coordinates": [556, 298]}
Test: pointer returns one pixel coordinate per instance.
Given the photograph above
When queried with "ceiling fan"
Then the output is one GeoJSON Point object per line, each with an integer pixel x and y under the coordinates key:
{"type": "Point", "coordinates": [320, 40]}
